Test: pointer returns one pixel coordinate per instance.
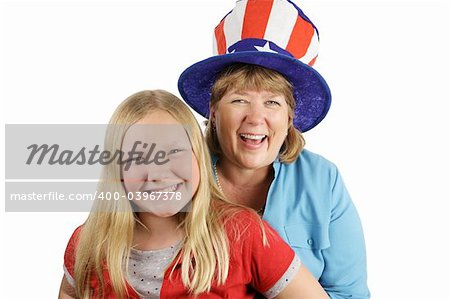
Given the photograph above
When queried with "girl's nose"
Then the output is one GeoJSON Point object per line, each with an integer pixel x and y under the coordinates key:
{"type": "Point", "coordinates": [158, 171]}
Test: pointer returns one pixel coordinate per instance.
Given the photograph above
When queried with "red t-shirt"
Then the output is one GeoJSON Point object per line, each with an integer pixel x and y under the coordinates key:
{"type": "Point", "coordinates": [253, 266]}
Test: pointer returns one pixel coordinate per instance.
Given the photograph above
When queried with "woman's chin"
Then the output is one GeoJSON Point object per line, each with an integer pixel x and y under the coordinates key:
{"type": "Point", "coordinates": [256, 162]}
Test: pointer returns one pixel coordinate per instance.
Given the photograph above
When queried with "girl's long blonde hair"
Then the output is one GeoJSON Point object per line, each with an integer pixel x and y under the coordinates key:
{"type": "Point", "coordinates": [106, 237]}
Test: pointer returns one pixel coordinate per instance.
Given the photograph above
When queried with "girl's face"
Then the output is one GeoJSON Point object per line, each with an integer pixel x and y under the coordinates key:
{"type": "Point", "coordinates": [160, 172]}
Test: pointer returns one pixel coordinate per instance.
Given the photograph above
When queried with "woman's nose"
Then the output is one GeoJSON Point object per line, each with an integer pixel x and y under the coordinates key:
{"type": "Point", "coordinates": [255, 114]}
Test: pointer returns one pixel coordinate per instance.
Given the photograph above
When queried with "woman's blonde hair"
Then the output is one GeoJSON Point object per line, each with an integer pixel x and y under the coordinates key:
{"type": "Point", "coordinates": [239, 77]}
{"type": "Point", "coordinates": [106, 237]}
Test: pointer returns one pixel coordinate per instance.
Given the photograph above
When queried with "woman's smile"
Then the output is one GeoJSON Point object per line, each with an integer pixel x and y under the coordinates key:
{"type": "Point", "coordinates": [253, 141]}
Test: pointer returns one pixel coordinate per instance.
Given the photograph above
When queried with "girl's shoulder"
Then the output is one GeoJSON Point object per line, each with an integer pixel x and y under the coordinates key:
{"type": "Point", "coordinates": [244, 227]}
{"type": "Point", "coordinates": [77, 231]}
{"type": "Point", "coordinates": [256, 249]}
{"type": "Point", "coordinates": [73, 241]}
{"type": "Point", "coordinates": [238, 218]}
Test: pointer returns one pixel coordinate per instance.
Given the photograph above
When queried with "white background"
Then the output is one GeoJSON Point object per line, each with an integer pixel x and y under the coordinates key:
{"type": "Point", "coordinates": [385, 61]}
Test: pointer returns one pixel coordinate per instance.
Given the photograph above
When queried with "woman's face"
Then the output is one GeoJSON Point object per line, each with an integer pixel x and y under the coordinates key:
{"type": "Point", "coordinates": [161, 175]}
{"type": "Point", "coordinates": [251, 126]}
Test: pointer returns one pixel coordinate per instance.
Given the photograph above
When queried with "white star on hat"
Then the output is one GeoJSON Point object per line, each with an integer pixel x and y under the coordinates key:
{"type": "Point", "coordinates": [265, 48]}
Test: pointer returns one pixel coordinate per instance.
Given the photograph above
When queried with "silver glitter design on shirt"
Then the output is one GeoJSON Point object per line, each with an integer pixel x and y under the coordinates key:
{"type": "Point", "coordinates": [146, 269]}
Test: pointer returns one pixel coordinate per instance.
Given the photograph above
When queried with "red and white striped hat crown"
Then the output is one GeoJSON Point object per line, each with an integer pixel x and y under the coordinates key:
{"type": "Point", "coordinates": [280, 23]}
{"type": "Point", "coordinates": [274, 34]}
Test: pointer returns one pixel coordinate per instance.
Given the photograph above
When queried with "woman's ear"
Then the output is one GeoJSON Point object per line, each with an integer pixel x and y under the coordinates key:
{"type": "Point", "coordinates": [212, 113]}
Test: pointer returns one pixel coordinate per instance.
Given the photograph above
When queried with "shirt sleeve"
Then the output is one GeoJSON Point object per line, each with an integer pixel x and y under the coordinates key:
{"type": "Point", "coordinates": [345, 273]}
{"type": "Point", "coordinates": [287, 277]}
{"type": "Point", "coordinates": [69, 257]}
{"type": "Point", "coordinates": [272, 262]}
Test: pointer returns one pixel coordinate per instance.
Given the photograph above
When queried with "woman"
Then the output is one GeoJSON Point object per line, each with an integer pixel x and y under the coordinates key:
{"type": "Point", "coordinates": [260, 93]}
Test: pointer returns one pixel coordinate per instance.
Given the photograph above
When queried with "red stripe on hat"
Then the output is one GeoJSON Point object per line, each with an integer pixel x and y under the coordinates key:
{"type": "Point", "coordinates": [300, 38]}
{"type": "Point", "coordinates": [220, 38]}
{"type": "Point", "coordinates": [311, 63]}
{"type": "Point", "coordinates": [256, 18]}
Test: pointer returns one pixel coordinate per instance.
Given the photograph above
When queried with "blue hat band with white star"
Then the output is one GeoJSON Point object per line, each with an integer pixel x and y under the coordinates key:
{"type": "Point", "coordinates": [256, 44]}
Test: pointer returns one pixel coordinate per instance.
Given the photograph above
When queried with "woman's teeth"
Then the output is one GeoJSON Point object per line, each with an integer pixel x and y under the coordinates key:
{"type": "Point", "coordinates": [252, 136]}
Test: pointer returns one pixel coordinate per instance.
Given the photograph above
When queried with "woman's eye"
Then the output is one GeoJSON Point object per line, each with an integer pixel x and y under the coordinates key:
{"type": "Point", "coordinates": [239, 101]}
{"type": "Point", "coordinates": [273, 103]}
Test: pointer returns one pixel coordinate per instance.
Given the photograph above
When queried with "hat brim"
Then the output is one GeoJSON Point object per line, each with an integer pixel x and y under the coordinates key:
{"type": "Point", "coordinates": [311, 92]}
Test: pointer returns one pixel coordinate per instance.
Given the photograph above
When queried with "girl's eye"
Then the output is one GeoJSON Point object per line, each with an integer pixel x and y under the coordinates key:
{"type": "Point", "coordinates": [174, 151]}
{"type": "Point", "coordinates": [139, 159]}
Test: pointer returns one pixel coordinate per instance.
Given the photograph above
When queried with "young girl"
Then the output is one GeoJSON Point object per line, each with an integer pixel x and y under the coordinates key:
{"type": "Point", "coordinates": [154, 241]}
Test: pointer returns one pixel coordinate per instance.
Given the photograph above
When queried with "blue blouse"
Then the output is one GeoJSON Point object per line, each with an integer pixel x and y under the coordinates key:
{"type": "Point", "coordinates": [311, 209]}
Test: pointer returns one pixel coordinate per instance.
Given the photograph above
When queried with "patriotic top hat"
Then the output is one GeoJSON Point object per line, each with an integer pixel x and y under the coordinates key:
{"type": "Point", "coordinates": [274, 34]}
